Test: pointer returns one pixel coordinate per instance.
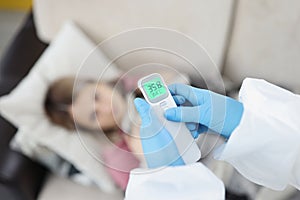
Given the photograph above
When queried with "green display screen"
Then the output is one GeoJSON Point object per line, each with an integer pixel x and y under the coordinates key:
{"type": "Point", "coordinates": [154, 88]}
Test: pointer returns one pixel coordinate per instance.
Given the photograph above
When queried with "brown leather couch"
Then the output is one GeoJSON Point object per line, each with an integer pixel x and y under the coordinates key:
{"type": "Point", "coordinates": [20, 177]}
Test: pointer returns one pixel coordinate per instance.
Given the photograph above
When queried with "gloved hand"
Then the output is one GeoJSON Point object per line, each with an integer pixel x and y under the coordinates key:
{"type": "Point", "coordinates": [158, 146]}
{"type": "Point", "coordinates": [209, 110]}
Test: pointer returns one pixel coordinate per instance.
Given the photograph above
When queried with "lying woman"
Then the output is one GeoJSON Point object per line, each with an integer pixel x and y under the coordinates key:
{"type": "Point", "coordinates": [100, 107]}
{"type": "Point", "coordinates": [95, 107]}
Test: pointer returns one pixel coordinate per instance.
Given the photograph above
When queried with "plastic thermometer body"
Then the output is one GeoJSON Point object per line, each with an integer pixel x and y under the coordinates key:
{"type": "Point", "coordinates": [158, 96]}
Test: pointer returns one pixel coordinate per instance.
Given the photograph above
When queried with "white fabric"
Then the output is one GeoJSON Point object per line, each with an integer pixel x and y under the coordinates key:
{"type": "Point", "coordinates": [191, 182]}
{"type": "Point", "coordinates": [265, 147]}
{"type": "Point", "coordinates": [24, 106]}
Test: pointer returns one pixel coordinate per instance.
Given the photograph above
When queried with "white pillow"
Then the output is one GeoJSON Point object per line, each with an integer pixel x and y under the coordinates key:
{"type": "Point", "coordinates": [24, 106]}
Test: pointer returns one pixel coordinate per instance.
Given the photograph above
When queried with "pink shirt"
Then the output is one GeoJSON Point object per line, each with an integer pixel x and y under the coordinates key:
{"type": "Point", "coordinates": [119, 162]}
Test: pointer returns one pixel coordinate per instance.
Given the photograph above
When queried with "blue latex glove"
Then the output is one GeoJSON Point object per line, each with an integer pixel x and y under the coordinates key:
{"type": "Point", "coordinates": [158, 146]}
{"type": "Point", "coordinates": [209, 110]}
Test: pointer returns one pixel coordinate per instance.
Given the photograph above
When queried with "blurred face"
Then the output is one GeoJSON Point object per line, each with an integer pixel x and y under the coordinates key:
{"type": "Point", "coordinates": [98, 106]}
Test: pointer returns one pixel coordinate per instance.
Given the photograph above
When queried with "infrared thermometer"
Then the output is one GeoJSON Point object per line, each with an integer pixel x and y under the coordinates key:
{"type": "Point", "coordinates": [159, 97]}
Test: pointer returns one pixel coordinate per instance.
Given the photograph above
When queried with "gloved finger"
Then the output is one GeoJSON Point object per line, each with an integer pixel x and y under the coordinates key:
{"type": "Point", "coordinates": [178, 99]}
{"type": "Point", "coordinates": [143, 109]}
{"type": "Point", "coordinates": [196, 127]}
{"type": "Point", "coordinates": [200, 129]}
{"type": "Point", "coordinates": [191, 126]}
{"type": "Point", "coordinates": [184, 114]}
{"type": "Point", "coordinates": [193, 95]}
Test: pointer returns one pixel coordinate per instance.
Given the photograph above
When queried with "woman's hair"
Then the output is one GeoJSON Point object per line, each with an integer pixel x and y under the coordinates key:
{"type": "Point", "coordinates": [59, 96]}
{"type": "Point", "coordinates": [58, 101]}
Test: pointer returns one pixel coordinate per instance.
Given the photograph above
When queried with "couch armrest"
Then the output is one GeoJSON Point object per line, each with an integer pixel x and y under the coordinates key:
{"type": "Point", "coordinates": [20, 177]}
{"type": "Point", "coordinates": [22, 52]}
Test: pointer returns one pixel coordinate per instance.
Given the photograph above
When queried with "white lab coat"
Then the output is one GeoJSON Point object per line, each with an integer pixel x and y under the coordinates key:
{"type": "Point", "coordinates": [265, 148]}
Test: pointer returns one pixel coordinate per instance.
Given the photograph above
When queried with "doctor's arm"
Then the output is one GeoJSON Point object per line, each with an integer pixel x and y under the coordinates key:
{"type": "Point", "coordinates": [265, 147]}
{"type": "Point", "coordinates": [262, 129]}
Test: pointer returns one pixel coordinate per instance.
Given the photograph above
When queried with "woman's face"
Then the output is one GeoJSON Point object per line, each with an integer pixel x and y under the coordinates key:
{"type": "Point", "coordinates": [98, 106]}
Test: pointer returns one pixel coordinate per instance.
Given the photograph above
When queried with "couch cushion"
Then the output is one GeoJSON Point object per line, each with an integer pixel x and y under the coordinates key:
{"type": "Point", "coordinates": [60, 188]}
{"type": "Point", "coordinates": [265, 42]}
{"type": "Point", "coordinates": [206, 21]}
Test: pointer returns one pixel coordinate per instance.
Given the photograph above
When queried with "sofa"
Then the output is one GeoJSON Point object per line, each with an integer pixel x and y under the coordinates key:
{"type": "Point", "coordinates": [244, 38]}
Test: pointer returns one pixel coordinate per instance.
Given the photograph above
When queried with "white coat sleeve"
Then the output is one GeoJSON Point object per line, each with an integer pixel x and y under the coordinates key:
{"type": "Point", "coordinates": [265, 147]}
{"type": "Point", "coordinates": [189, 182]}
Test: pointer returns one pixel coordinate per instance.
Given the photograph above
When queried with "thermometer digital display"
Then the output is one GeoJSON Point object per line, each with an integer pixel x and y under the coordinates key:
{"type": "Point", "coordinates": [155, 89]}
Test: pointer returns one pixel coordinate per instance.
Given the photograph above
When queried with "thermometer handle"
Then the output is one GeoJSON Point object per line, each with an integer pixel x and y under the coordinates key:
{"type": "Point", "coordinates": [186, 145]}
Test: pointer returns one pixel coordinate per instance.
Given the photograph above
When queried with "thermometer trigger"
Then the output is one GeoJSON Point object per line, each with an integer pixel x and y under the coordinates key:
{"type": "Point", "coordinates": [164, 105]}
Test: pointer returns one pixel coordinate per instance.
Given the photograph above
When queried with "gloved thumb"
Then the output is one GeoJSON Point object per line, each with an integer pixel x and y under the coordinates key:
{"type": "Point", "coordinates": [183, 114]}
{"type": "Point", "coordinates": [143, 109]}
